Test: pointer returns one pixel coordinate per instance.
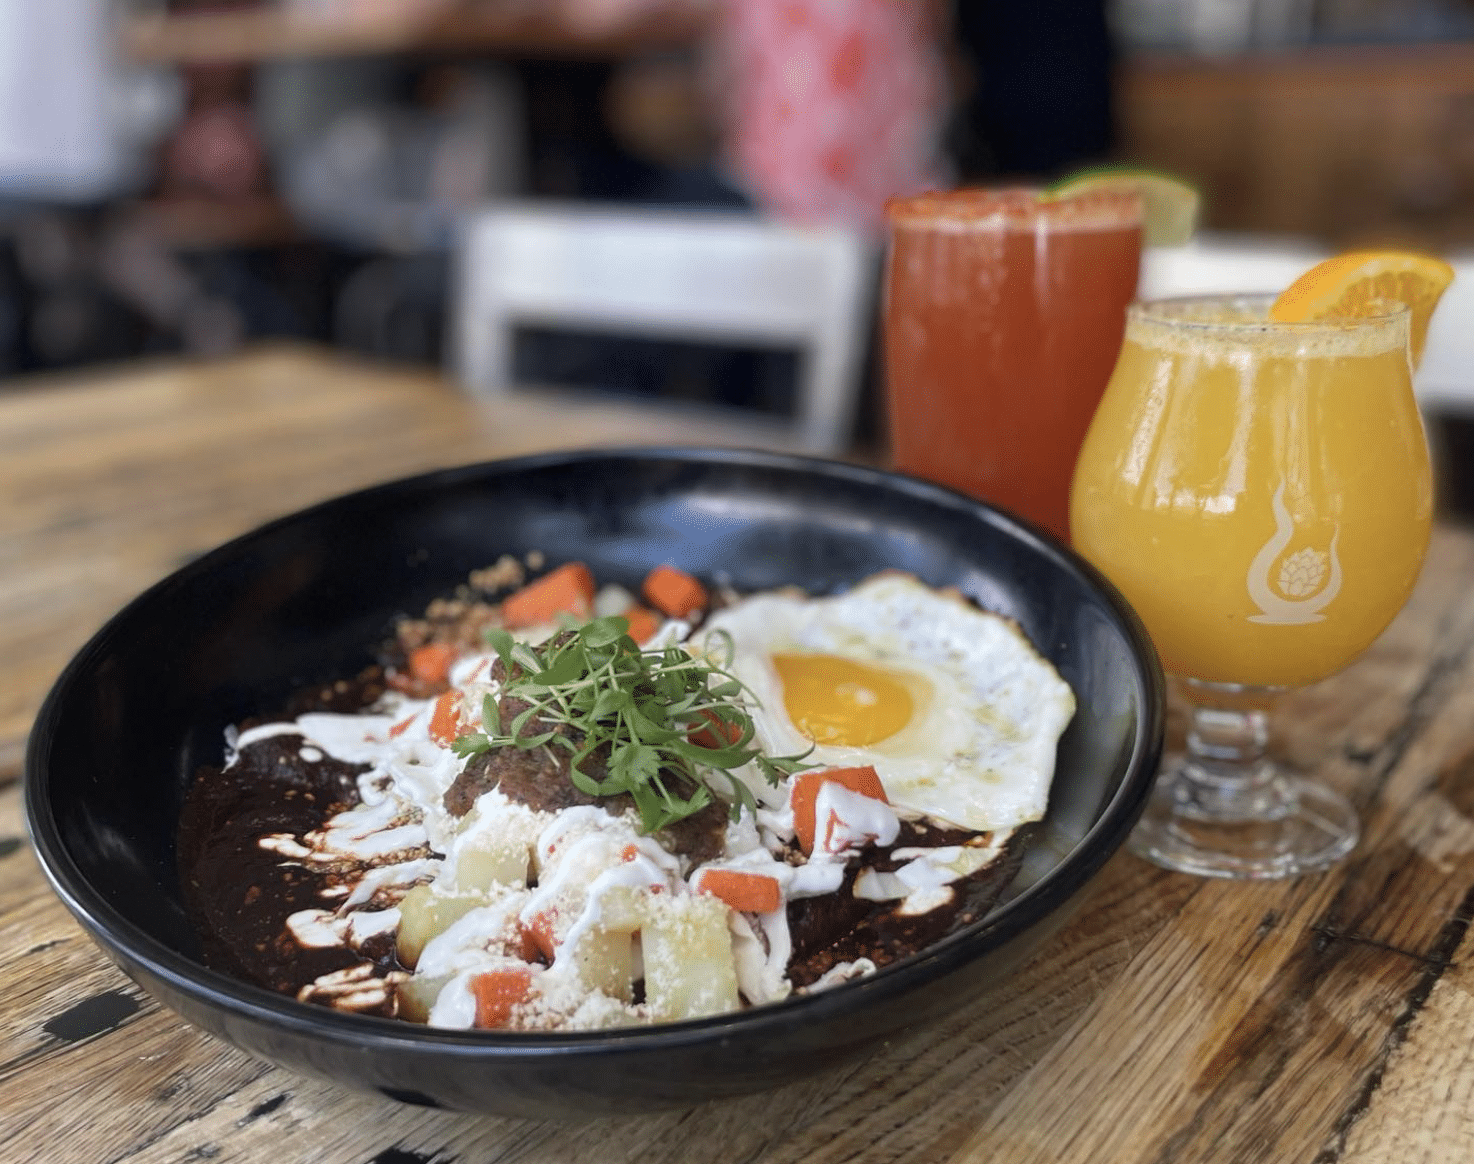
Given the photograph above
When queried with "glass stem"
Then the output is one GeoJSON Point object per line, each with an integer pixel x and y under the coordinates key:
{"type": "Point", "coordinates": [1227, 775]}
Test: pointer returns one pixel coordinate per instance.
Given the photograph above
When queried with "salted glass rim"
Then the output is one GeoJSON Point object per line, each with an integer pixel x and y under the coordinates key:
{"type": "Point", "coordinates": [1019, 206]}
{"type": "Point", "coordinates": [1174, 311]}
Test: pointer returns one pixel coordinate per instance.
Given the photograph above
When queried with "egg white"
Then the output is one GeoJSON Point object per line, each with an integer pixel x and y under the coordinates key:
{"type": "Point", "coordinates": [979, 749]}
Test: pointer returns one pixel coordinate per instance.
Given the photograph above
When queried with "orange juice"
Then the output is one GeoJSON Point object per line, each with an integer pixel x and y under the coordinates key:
{"type": "Point", "coordinates": [1003, 318]}
{"type": "Point", "coordinates": [1259, 492]}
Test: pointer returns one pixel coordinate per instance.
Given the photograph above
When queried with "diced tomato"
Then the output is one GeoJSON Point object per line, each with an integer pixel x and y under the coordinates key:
{"type": "Point", "coordinates": [497, 993]}
{"type": "Point", "coordinates": [805, 793]}
{"type": "Point", "coordinates": [445, 720]}
{"type": "Point", "coordinates": [743, 891]}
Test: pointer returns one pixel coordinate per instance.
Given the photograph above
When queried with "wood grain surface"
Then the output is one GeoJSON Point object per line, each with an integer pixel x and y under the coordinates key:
{"type": "Point", "coordinates": [1325, 1019]}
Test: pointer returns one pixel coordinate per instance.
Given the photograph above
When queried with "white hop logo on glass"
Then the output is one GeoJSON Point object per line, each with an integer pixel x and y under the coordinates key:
{"type": "Point", "coordinates": [1302, 573]}
{"type": "Point", "coordinates": [1307, 581]}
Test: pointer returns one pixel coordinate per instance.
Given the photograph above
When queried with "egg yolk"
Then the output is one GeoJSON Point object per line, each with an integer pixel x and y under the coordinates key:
{"type": "Point", "coordinates": [833, 700]}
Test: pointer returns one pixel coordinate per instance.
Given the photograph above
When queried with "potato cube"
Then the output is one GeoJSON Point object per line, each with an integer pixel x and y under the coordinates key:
{"type": "Point", "coordinates": [425, 914]}
{"type": "Point", "coordinates": [624, 908]}
{"type": "Point", "coordinates": [416, 996]}
{"type": "Point", "coordinates": [605, 961]}
{"type": "Point", "coordinates": [689, 968]}
{"type": "Point", "coordinates": [494, 861]}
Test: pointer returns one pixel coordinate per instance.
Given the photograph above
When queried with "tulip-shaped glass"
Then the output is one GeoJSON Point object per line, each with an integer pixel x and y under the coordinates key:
{"type": "Point", "coordinates": [1261, 494]}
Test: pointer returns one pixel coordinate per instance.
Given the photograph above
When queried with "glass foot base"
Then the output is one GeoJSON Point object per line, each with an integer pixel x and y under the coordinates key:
{"type": "Point", "coordinates": [1310, 827]}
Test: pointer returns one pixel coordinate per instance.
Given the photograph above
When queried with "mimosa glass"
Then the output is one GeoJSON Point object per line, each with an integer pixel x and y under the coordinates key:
{"type": "Point", "coordinates": [1261, 493]}
{"type": "Point", "coordinates": [1003, 316]}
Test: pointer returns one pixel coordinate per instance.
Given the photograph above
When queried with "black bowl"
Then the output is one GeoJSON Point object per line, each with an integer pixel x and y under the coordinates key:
{"type": "Point", "coordinates": [303, 600]}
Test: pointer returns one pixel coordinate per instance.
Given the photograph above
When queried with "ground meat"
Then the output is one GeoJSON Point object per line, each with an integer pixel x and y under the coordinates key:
{"type": "Point", "coordinates": [461, 620]}
{"type": "Point", "coordinates": [506, 573]}
{"type": "Point", "coordinates": [538, 778]}
{"type": "Point", "coordinates": [533, 777]}
{"type": "Point", "coordinates": [509, 707]}
{"type": "Point", "coordinates": [700, 836]}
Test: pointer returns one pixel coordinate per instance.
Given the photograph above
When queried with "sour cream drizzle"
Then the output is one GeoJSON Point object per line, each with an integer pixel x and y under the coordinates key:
{"type": "Point", "coordinates": [579, 860]}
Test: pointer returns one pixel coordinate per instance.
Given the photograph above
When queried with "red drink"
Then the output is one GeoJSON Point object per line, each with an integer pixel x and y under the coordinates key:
{"type": "Point", "coordinates": [1003, 319]}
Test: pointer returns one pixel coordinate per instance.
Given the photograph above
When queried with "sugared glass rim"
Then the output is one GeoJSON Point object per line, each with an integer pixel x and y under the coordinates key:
{"type": "Point", "coordinates": [1019, 207]}
{"type": "Point", "coordinates": [1175, 311]}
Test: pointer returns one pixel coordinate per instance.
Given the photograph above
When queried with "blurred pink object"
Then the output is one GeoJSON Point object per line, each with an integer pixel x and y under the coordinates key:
{"type": "Point", "coordinates": [370, 11]}
{"type": "Point", "coordinates": [215, 154]}
{"type": "Point", "coordinates": [831, 108]}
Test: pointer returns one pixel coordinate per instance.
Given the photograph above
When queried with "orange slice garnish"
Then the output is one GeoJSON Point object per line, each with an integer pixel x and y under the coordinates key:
{"type": "Point", "coordinates": [1358, 284]}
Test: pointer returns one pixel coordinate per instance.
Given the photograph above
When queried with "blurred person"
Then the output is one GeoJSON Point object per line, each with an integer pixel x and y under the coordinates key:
{"type": "Point", "coordinates": [386, 157]}
{"type": "Point", "coordinates": [382, 157]}
{"type": "Point", "coordinates": [829, 109]}
{"type": "Point", "coordinates": [823, 109]}
{"type": "Point", "coordinates": [76, 131]}
{"type": "Point", "coordinates": [214, 152]}
{"type": "Point", "coordinates": [1038, 102]}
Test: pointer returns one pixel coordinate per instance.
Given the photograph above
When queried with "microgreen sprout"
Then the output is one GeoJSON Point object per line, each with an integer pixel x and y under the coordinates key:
{"type": "Point", "coordinates": [667, 718]}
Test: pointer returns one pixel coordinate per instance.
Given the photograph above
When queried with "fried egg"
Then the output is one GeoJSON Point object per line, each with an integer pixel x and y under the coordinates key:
{"type": "Point", "coordinates": [952, 705]}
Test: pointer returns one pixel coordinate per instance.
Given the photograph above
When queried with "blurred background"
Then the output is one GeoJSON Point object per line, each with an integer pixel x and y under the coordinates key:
{"type": "Point", "coordinates": [193, 176]}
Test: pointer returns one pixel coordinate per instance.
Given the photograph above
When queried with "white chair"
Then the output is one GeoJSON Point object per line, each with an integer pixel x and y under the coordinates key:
{"type": "Point", "coordinates": [1224, 263]}
{"type": "Point", "coordinates": [693, 275]}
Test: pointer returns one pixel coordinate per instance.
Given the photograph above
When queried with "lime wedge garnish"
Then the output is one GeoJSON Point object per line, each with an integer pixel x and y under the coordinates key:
{"type": "Point", "coordinates": [1170, 205]}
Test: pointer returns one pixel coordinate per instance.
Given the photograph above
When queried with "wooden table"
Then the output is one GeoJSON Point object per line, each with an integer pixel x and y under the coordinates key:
{"type": "Point", "coordinates": [1329, 1019]}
